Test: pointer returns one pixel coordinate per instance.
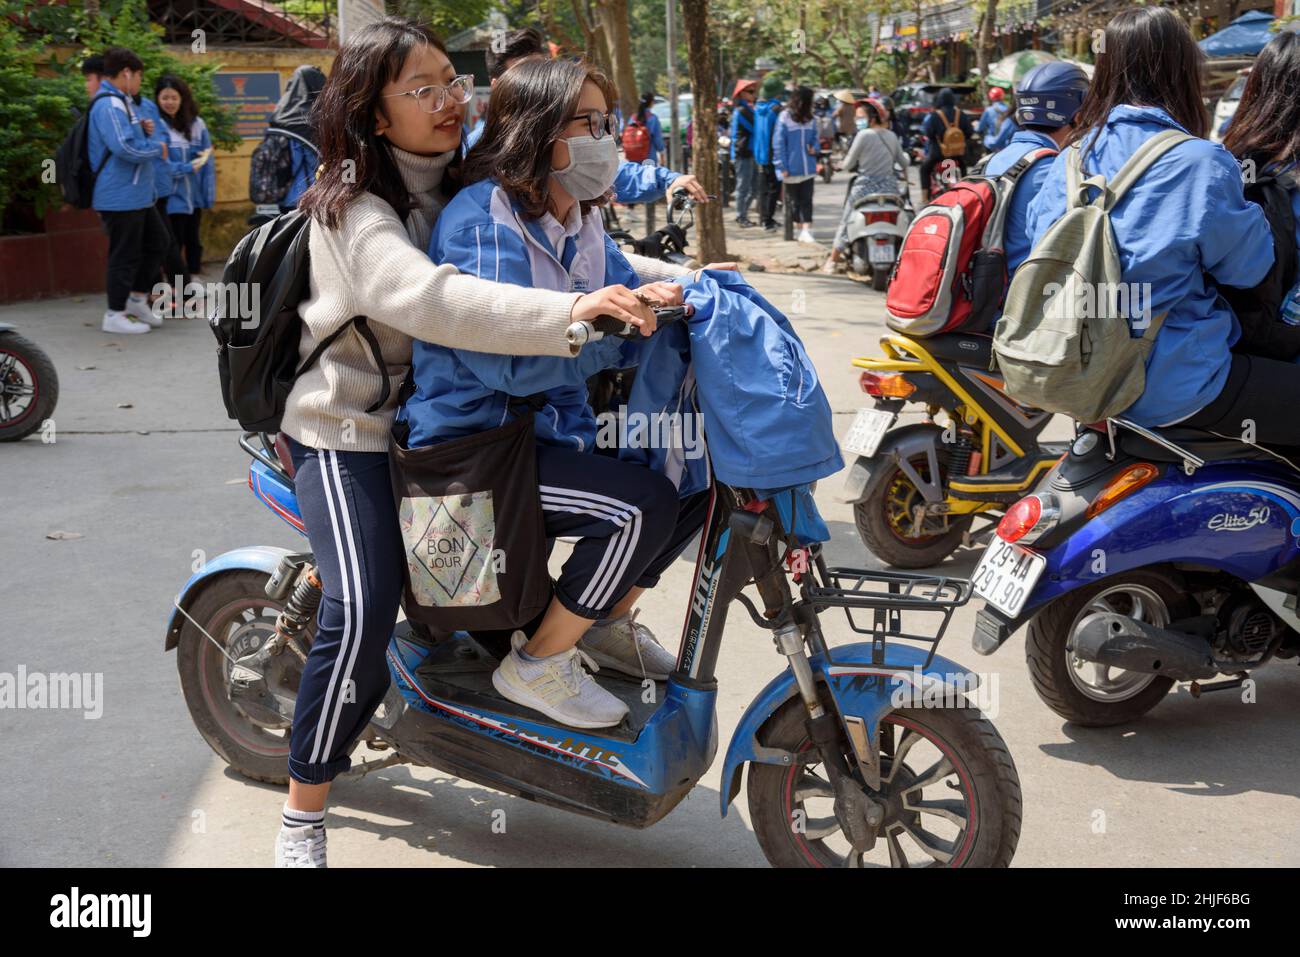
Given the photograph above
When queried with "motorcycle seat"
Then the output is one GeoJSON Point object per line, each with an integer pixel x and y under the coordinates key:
{"type": "Point", "coordinates": [1202, 444]}
{"type": "Point", "coordinates": [963, 348]}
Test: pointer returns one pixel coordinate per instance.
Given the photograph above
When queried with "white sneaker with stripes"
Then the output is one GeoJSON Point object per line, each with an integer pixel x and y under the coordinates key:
{"type": "Point", "coordinates": [558, 686]}
{"type": "Point", "coordinates": [628, 647]}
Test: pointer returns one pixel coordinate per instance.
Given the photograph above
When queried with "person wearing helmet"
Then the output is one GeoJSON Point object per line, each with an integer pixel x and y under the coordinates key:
{"type": "Point", "coordinates": [994, 120]}
{"type": "Point", "coordinates": [1047, 99]}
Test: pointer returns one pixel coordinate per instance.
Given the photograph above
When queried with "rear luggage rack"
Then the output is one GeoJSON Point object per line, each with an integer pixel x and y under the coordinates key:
{"type": "Point", "coordinates": [887, 595]}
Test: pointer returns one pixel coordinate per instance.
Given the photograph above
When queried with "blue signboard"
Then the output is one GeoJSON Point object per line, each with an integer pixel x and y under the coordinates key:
{"type": "Point", "coordinates": [252, 96]}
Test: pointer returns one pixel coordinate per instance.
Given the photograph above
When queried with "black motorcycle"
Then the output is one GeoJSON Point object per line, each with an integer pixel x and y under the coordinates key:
{"type": "Point", "coordinates": [29, 386]}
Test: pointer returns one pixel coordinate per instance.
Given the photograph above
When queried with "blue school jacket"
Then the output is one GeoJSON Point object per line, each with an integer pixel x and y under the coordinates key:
{"type": "Point", "coordinates": [126, 180]}
{"type": "Point", "coordinates": [1016, 238]}
{"type": "Point", "coordinates": [794, 147]}
{"type": "Point", "coordinates": [191, 190]}
{"type": "Point", "coordinates": [459, 391]}
{"type": "Point", "coordinates": [1185, 218]}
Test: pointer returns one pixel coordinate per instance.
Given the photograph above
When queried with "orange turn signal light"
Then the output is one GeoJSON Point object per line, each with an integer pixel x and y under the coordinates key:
{"type": "Point", "coordinates": [1121, 486]}
{"type": "Point", "coordinates": [892, 386]}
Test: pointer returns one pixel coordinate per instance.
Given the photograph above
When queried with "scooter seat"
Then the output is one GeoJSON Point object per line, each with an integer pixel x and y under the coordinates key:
{"type": "Point", "coordinates": [1204, 445]}
{"type": "Point", "coordinates": [963, 348]}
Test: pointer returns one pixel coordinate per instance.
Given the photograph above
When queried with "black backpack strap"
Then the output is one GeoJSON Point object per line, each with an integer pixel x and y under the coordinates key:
{"type": "Point", "coordinates": [369, 335]}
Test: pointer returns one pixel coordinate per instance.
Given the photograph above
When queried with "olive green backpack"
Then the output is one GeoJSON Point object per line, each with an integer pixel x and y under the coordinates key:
{"type": "Point", "coordinates": [1062, 343]}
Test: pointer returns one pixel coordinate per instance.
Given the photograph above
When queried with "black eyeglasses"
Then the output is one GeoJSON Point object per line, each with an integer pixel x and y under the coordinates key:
{"type": "Point", "coordinates": [599, 124]}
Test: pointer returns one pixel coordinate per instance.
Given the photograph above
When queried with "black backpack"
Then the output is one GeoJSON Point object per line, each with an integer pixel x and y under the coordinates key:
{"type": "Point", "coordinates": [257, 354]}
{"type": "Point", "coordinates": [72, 160]}
{"type": "Point", "coordinates": [270, 169]}
{"type": "Point", "coordinates": [1258, 309]}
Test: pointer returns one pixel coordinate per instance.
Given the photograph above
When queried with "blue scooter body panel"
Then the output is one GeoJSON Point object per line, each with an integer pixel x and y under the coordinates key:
{"type": "Point", "coordinates": [1242, 518]}
{"type": "Point", "coordinates": [860, 689]}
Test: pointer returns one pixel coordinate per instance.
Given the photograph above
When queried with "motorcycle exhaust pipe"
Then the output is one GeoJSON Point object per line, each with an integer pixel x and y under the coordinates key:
{"type": "Point", "coordinates": [1123, 642]}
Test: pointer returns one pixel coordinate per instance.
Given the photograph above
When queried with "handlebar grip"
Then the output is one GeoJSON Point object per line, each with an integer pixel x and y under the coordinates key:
{"type": "Point", "coordinates": [581, 332]}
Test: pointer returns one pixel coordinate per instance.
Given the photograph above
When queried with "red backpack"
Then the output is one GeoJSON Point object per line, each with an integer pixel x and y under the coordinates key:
{"type": "Point", "coordinates": [952, 268]}
{"type": "Point", "coordinates": [636, 142]}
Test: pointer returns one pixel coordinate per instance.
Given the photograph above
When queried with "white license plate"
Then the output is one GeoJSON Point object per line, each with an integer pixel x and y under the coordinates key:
{"type": "Point", "coordinates": [1006, 575]}
{"type": "Point", "coordinates": [882, 252]}
{"type": "Point", "coordinates": [868, 428]}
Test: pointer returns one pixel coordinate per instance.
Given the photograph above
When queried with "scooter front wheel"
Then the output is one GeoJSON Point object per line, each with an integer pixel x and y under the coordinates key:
{"type": "Point", "coordinates": [234, 611]}
{"type": "Point", "coordinates": [949, 789]}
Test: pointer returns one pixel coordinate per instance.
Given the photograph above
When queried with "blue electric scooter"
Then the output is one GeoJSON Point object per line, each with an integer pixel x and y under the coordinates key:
{"type": "Point", "coordinates": [1146, 558]}
{"type": "Point", "coordinates": [868, 753]}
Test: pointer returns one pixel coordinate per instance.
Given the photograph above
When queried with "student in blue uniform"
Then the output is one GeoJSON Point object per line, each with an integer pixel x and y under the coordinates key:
{"type": "Point", "coordinates": [994, 119]}
{"type": "Point", "coordinates": [1047, 99]}
{"type": "Point", "coordinates": [189, 150]}
{"type": "Point", "coordinates": [527, 216]}
{"type": "Point", "coordinates": [1184, 227]}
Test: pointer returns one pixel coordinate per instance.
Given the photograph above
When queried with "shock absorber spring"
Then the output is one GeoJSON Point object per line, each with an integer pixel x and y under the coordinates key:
{"type": "Point", "coordinates": [959, 456]}
{"type": "Point", "coordinates": [299, 610]}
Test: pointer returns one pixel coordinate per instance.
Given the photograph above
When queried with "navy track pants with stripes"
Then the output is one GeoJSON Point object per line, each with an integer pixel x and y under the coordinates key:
{"type": "Point", "coordinates": [346, 502]}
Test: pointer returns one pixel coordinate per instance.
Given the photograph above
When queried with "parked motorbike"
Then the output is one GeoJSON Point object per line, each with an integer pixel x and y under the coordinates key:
{"type": "Point", "coordinates": [824, 165]}
{"type": "Point", "coordinates": [1146, 558]}
{"type": "Point", "coordinates": [29, 386]}
{"type": "Point", "coordinates": [917, 490]}
{"type": "Point", "coordinates": [841, 773]}
{"type": "Point", "coordinates": [876, 235]}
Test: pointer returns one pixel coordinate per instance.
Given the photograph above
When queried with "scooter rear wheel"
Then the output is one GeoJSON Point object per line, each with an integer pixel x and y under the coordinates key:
{"type": "Point", "coordinates": [950, 791]}
{"type": "Point", "coordinates": [233, 608]}
{"type": "Point", "coordinates": [884, 522]}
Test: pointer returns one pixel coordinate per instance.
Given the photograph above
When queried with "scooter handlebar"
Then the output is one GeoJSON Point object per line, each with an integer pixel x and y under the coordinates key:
{"type": "Point", "coordinates": [582, 332]}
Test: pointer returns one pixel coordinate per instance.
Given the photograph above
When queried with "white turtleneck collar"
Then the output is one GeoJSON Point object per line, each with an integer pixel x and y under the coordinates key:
{"type": "Point", "coordinates": [422, 176]}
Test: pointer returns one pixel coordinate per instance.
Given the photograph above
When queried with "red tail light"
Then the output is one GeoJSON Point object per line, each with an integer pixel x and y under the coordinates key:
{"type": "Point", "coordinates": [1030, 518]}
{"type": "Point", "coordinates": [880, 217]}
{"type": "Point", "coordinates": [886, 386]}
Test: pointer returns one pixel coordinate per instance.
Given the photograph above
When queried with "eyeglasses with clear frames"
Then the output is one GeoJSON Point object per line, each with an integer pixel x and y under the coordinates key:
{"type": "Point", "coordinates": [432, 98]}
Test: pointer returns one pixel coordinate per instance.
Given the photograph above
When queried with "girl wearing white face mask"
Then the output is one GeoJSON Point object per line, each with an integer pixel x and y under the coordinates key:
{"type": "Point", "coordinates": [526, 215]}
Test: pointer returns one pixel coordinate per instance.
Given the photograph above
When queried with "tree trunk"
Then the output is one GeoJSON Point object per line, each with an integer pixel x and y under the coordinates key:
{"type": "Point", "coordinates": [985, 43]}
{"type": "Point", "coordinates": [711, 244]}
{"type": "Point", "coordinates": [618, 35]}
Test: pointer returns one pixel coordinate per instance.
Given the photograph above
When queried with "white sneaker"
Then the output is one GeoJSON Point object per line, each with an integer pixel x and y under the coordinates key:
{"type": "Point", "coordinates": [629, 648]}
{"type": "Point", "coordinates": [138, 309]}
{"type": "Point", "coordinates": [119, 323]}
{"type": "Point", "coordinates": [806, 236]}
{"type": "Point", "coordinates": [558, 686]}
{"type": "Point", "coordinates": [300, 847]}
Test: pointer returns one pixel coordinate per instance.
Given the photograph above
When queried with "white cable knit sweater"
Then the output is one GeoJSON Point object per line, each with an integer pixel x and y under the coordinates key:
{"type": "Point", "coordinates": [375, 266]}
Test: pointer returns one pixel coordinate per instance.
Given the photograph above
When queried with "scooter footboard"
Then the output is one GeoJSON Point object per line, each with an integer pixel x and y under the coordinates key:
{"type": "Point", "coordinates": [861, 690]}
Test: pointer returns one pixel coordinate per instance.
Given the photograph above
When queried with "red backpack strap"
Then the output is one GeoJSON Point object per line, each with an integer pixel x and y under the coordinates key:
{"type": "Point", "coordinates": [1003, 186]}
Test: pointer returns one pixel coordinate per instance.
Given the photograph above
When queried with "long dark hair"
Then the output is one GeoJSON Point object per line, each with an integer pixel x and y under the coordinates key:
{"type": "Point", "coordinates": [353, 158]}
{"type": "Point", "coordinates": [532, 104]}
{"type": "Point", "coordinates": [189, 110]}
{"type": "Point", "coordinates": [643, 105]}
{"type": "Point", "coordinates": [1148, 58]}
{"type": "Point", "coordinates": [1266, 127]}
{"type": "Point", "coordinates": [801, 105]}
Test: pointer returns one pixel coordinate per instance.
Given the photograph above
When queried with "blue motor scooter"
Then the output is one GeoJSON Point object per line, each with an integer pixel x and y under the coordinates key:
{"type": "Point", "coordinates": [1146, 558]}
{"type": "Point", "coordinates": [867, 753]}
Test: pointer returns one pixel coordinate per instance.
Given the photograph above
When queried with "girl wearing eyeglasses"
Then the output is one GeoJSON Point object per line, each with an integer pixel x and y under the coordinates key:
{"type": "Point", "coordinates": [527, 215]}
{"type": "Point", "coordinates": [389, 122]}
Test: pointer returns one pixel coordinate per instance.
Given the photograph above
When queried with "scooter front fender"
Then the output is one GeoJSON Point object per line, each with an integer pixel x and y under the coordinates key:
{"type": "Point", "coordinates": [899, 445]}
{"type": "Point", "coordinates": [261, 558]}
{"type": "Point", "coordinates": [860, 689]}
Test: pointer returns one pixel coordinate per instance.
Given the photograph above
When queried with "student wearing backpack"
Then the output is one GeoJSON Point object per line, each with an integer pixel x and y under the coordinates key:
{"type": "Point", "coordinates": [948, 130]}
{"type": "Point", "coordinates": [1181, 227]}
{"type": "Point", "coordinates": [121, 145]}
{"type": "Point", "coordinates": [1041, 127]}
{"type": "Point", "coordinates": [1265, 138]}
{"type": "Point", "coordinates": [390, 121]}
{"type": "Point", "coordinates": [647, 142]}
{"type": "Point", "coordinates": [794, 154]}
{"type": "Point", "coordinates": [285, 163]}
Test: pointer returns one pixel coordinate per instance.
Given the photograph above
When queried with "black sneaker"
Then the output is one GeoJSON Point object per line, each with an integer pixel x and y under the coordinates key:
{"type": "Point", "coordinates": [744, 223]}
{"type": "Point", "coordinates": [770, 227]}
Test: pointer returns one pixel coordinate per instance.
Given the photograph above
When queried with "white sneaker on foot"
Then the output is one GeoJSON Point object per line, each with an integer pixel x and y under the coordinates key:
{"type": "Point", "coordinates": [558, 686]}
{"type": "Point", "coordinates": [300, 847]}
{"type": "Point", "coordinates": [629, 648]}
{"type": "Point", "coordinates": [139, 309]}
{"type": "Point", "coordinates": [806, 236]}
{"type": "Point", "coordinates": [119, 323]}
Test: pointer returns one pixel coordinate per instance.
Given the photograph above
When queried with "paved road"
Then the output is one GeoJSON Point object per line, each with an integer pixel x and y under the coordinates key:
{"type": "Point", "coordinates": [152, 486]}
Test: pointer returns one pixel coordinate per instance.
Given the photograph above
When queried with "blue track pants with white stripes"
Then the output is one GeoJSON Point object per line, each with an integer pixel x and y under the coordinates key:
{"type": "Point", "coordinates": [346, 502]}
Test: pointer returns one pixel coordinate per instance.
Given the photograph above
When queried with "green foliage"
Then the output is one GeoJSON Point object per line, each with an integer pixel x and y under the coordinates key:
{"type": "Point", "coordinates": [447, 17]}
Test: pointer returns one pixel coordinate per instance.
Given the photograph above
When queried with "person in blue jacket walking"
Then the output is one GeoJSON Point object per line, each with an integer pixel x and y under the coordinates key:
{"type": "Point", "coordinates": [190, 151]}
{"type": "Point", "coordinates": [526, 216]}
{"type": "Point", "coordinates": [635, 182]}
{"type": "Point", "coordinates": [121, 147]}
{"type": "Point", "coordinates": [1182, 228]}
{"type": "Point", "coordinates": [1063, 85]}
{"type": "Point", "coordinates": [765, 114]}
{"type": "Point", "coordinates": [794, 154]}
